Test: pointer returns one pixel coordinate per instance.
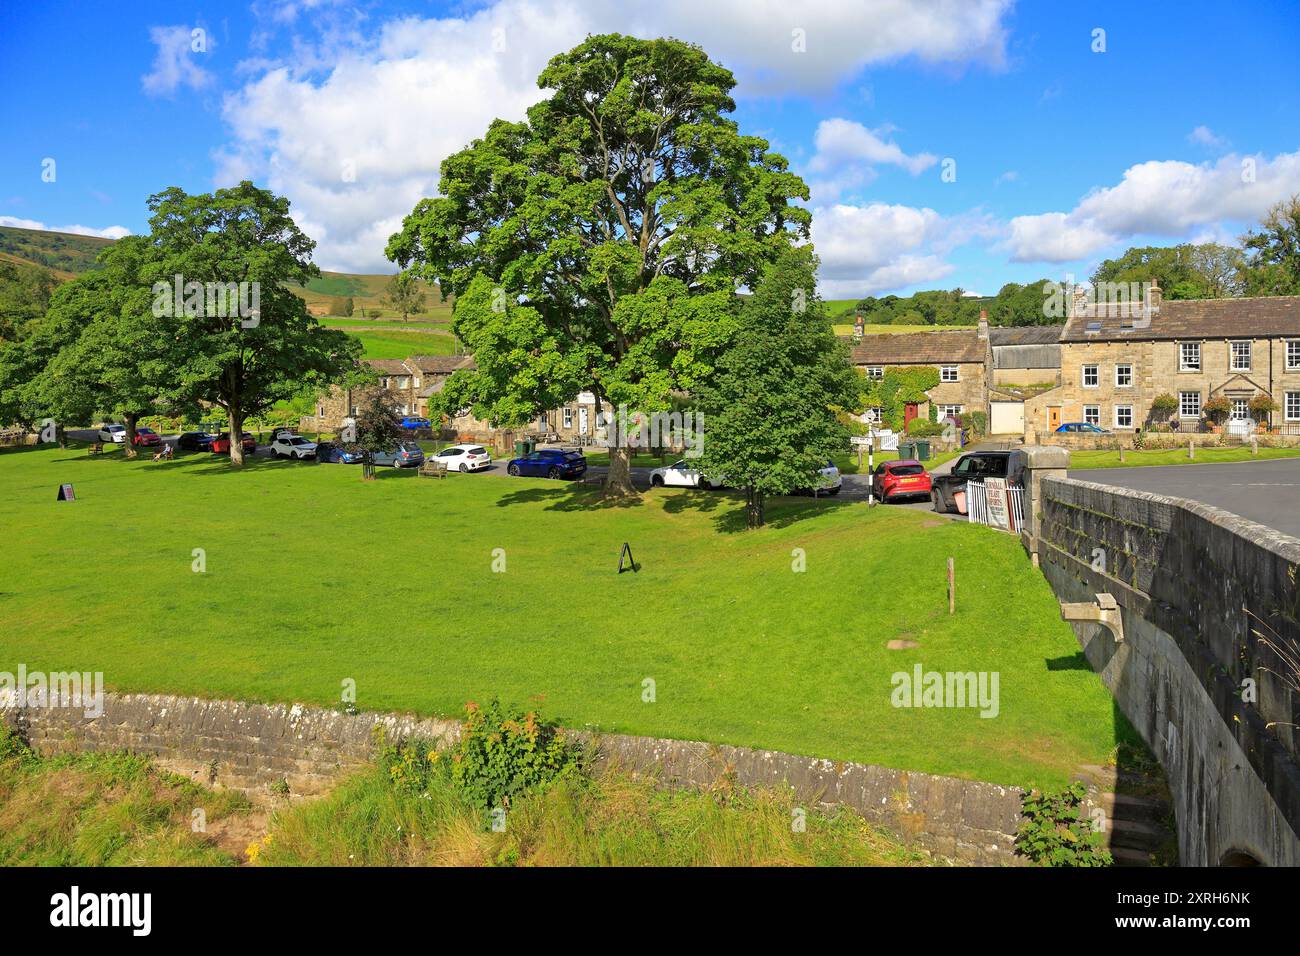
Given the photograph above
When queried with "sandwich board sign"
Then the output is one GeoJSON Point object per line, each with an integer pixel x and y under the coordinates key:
{"type": "Point", "coordinates": [995, 493]}
{"type": "Point", "coordinates": [66, 493]}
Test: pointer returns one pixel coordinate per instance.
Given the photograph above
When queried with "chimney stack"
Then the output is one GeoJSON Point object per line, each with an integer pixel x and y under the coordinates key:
{"type": "Point", "coordinates": [1079, 301]}
{"type": "Point", "coordinates": [984, 324]}
{"type": "Point", "coordinates": [1154, 296]}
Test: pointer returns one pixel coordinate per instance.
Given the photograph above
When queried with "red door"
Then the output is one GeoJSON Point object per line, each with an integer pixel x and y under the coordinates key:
{"type": "Point", "coordinates": [909, 412]}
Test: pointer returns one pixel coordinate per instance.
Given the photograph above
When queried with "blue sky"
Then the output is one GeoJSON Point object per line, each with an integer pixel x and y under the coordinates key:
{"type": "Point", "coordinates": [1183, 128]}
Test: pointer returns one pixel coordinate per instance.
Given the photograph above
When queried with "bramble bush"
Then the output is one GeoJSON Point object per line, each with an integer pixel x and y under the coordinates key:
{"type": "Point", "coordinates": [1053, 833]}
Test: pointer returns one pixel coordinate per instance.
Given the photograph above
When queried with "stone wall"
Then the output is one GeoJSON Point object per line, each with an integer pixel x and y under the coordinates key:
{"type": "Point", "coordinates": [1188, 579]}
{"type": "Point", "coordinates": [254, 746]}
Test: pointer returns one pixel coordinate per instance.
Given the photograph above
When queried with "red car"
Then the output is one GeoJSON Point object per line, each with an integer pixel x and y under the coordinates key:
{"type": "Point", "coordinates": [147, 436]}
{"type": "Point", "coordinates": [221, 444]}
{"type": "Point", "coordinates": [900, 479]}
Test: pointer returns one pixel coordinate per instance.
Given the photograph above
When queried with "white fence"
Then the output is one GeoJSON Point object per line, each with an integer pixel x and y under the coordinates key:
{"type": "Point", "coordinates": [1004, 508]}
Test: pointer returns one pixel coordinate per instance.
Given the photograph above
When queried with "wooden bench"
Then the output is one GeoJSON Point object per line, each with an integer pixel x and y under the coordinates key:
{"type": "Point", "coordinates": [95, 448]}
{"type": "Point", "coordinates": [434, 469]}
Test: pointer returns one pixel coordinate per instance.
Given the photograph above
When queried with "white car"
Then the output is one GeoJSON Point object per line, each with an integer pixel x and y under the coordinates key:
{"type": "Point", "coordinates": [293, 446]}
{"type": "Point", "coordinates": [464, 458]}
{"type": "Point", "coordinates": [680, 474]}
{"type": "Point", "coordinates": [113, 433]}
{"type": "Point", "coordinates": [830, 483]}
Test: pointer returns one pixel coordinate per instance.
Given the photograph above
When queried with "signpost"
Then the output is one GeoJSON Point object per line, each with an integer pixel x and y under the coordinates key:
{"type": "Point", "coordinates": [995, 497]}
{"type": "Point", "coordinates": [66, 493]}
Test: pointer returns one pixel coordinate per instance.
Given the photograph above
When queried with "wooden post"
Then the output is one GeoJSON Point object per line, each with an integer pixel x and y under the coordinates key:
{"type": "Point", "coordinates": [1254, 445]}
{"type": "Point", "coordinates": [1191, 448]}
{"type": "Point", "coordinates": [952, 587]}
{"type": "Point", "coordinates": [1121, 453]}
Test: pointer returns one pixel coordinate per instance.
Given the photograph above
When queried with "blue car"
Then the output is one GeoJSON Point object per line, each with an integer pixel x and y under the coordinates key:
{"type": "Point", "coordinates": [549, 463]}
{"type": "Point", "coordinates": [406, 454]}
{"type": "Point", "coordinates": [1086, 428]}
{"type": "Point", "coordinates": [337, 454]}
{"type": "Point", "coordinates": [414, 421]}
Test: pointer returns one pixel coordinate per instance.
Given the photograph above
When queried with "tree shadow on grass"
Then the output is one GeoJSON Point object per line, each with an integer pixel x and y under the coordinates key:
{"type": "Point", "coordinates": [780, 512]}
{"type": "Point", "coordinates": [568, 498]}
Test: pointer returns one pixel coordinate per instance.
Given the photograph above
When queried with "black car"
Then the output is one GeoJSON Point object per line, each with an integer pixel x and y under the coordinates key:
{"type": "Point", "coordinates": [195, 441]}
{"type": "Point", "coordinates": [977, 466]}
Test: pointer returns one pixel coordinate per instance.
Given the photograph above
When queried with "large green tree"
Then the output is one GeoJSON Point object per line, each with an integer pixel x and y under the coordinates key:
{"type": "Point", "coordinates": [1273, 252]}
{"type": "Point", "coordinates": [404, 295]}
{"type": "Point", "coordinates": [772, 414]}
{"type": "Point", "coordinates": [1186, 271]}
{"type": "Point", "coordinates": [585, 227]}
{"type": "Point", "coordinates": [240, 363]}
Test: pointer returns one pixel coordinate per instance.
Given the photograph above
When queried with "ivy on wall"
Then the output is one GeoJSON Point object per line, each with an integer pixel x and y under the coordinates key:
{"type": "Point", "coordinates": [896, 388]}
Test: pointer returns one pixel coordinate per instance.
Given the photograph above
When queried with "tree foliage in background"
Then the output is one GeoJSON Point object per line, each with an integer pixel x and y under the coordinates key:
{"type": "Point", "coordinates": [772, 414]}
{"type": "Point", "coordinates": [404, 295]}
{"type": "Point", "coordinates": [1186, 271]}
{"type": "Point", "coordinates": [611, 229]}
{"type": "Point", "coordinates": [25, 293]}
{"type": "Point", "coordinates": [1273, 252]}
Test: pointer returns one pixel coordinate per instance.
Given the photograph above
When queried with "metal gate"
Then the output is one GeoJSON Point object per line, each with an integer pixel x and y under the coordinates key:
{"type": "Point", "coordinates": [1005, 510]}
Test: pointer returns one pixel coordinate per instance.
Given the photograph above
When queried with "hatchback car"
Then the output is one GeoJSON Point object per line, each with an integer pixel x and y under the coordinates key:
{"type": "Point", "coordinates": [680, 474]}
{"type": "Point", "coordinates": [464, 458]}
{"type": "Point", "coordinates": [976, 467]}
{"type": "Point", "coordinates": [549, 463]}
{"type": "Point", "coordinates": [905, 478]}
{"type": "Point", "coordinates": [195, 441]}
{"type": "Point", "coordinates": [113, 433]}
{"type": "Point", "coordinates": [1086, 428]}
{"type": "Point", "coordinates": [406, 454]}
{"type": "Point", "coordinates": [147, 437]}
{"type": "Point", "coordinates": [328, 451]}
{"type": "Point", "coordinates": [828, 481]}
{"type": "Point", "coordinates": [415, 421]}
{"type": "Point", "coordinates": [221, 444]}
{"type": "Point", "coordinates": [293, 446]}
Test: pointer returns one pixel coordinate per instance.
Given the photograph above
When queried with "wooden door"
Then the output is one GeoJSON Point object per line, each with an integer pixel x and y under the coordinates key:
{"type": "Point", "coordinates": [1053, 417]}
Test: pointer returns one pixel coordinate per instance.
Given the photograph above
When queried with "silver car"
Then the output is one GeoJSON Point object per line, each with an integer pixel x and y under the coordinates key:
{"type": "Point", "coordinates": [406, 454]}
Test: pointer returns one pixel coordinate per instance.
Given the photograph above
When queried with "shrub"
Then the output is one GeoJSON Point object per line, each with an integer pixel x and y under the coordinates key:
{"type": "Point", "coordinates": [1217, 408]}
{"type": "Point", "coordinates": [1163, 405]}
{"type": "Point", "coordinates": [408, 765]}
{"type": "Point", "coordinates": [920, 428]}
{"type": "Point", "coordinates": [978, 422]}
{"type": "Point", "coordinates": [504, 753]}
{"type": "Point", "coordinates": [1053, 833]}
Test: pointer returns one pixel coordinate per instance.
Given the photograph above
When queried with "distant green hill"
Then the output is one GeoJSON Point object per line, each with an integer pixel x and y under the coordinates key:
{"type": "Point", "coordinates": [62, 253]}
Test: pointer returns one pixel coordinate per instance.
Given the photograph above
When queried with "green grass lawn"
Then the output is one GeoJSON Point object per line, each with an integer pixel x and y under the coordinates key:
{"type": "Point", "coordinates": [400, 345]}
{"type": "Point", "coordinates": [1174, 456]}
{"type": "Point", "coordinates": [315, 577]}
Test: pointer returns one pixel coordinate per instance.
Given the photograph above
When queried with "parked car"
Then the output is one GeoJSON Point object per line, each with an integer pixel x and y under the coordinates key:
{"type": "Point", "coordinates": [293, 446]}
{"type": "Point", "coordinates": [147, 436]}
{"type": "Point", "coordinates": [904, 478]}
{"type": "Point", "coordinates": [1086, 428]}
{"type": "Point", "coordinates": [549, 463]}
{"type": "Point", "coordinates": [407, 453]}
{"type": "Point", "coordinates": [113, 433]}
{"type": "Point", "coordinates": [977, 466]}
{"type": "Point", "coordinates": [415, 421]}
{"type": "Point", "coordinates": [464, 458]}
{"type": "Point", "coordinates": [195, 441]}
{"type": "Point", "coordinates": [680, 474]}
{"type": "Point", "coordinates": [280, 431]}
{"type": "Point", "coordinates": [221, 444]}
{"type": "Point", "coordinates": [328, 451]}
{"type": "Point", "coordinates": [829, 482]}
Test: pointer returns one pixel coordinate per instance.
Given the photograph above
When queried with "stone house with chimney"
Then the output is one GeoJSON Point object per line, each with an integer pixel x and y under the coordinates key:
{"type": "Point", "coordinates": [1117, 358]}
{"type": "Point", "coordinates": [411, 381]}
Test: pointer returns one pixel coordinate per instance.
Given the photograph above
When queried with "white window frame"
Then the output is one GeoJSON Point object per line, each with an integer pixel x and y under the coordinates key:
{"type": "Point", "coordinates": [1096, 375]}
{"type": "Point", "coordinates": [1092, 415]}
{"type": "Point", "coordinates": [949, 411]}
{"type": "Point", "coordinates": [1182, 405]}
{"type": "Point", "coordinates": [1292, 354]}
{"type": "Point", "coordinates": [875, 372]}
{"type": "Point", "coordinates": [1129, 368]}
{"type": "Point", "coordinates": [1232, 355]}
{"type": "Point", "coordinates": [1124, 408]}
{"type": "Point", "coordinates": [1183, 364]}
{"type": "Point", "coordinates": [1291, 406]}
{"type": "Point", "coordinates": [874, 413]}
{"type": "Point", "coordinates": [948, 370]}
{"type": "Point", "coordinates": [568, 417]}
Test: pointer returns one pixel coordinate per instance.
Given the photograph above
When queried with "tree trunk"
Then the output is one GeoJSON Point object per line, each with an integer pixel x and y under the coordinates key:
{"type": "Point", "coordinates": [129, 420]}
{"type": "Point", "coordinates": [754, 507]}
{"type": "Point", "coordinates": [618, 482]}
{"type": "Point", "coordinates": [60, 435]}
{"type": "Point", "coordinates": [236, 435]}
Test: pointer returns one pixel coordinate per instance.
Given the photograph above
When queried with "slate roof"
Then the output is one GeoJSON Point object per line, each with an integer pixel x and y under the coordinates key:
{"type": "Point", "coordinates": [440, 364]}
{"type": "Point", "coordinates": [1026, 335]}
{"type": "Point", "coordinates": [920, 348]}
{"type": "Point", "coordinates": [1191, 318]}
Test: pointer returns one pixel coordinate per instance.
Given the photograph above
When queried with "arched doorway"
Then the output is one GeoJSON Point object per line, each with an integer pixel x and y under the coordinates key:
{"type": "Point", "coordinates": [1239, 858]}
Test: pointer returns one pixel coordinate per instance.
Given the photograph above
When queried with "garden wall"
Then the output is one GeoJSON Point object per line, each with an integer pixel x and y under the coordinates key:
{"type": "Point", "coordinates": [254, 746]}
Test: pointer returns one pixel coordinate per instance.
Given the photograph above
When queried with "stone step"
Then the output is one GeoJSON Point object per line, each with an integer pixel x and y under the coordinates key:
{"type": "Point", "coordinates": [1123, 806]}
{"type": "Point", "coordinates": [1135, 835]}
{"type": "Point", "coordinates": [1124, 856]}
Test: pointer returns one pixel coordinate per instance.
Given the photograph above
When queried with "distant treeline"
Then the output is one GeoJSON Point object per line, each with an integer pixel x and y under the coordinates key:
{"type": "Point", "coordinates": [1014, 304]}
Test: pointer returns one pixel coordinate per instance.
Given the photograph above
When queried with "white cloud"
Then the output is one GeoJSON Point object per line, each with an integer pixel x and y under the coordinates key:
{"type": "Point", "coordinates": [1204, 136]}
{"type": "Point", "coordinates": [876, 247]}
{"type": "Point", "coordinates": [398, 102]}
{"type": "Point", "coordinates": [174, 65]}
{"type": "Point", "coordinates": [1162, 198]}
{"type": "Point", "coordinates": [847, 153]}
{"type": "Point", "coordinates": [109, 232]}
